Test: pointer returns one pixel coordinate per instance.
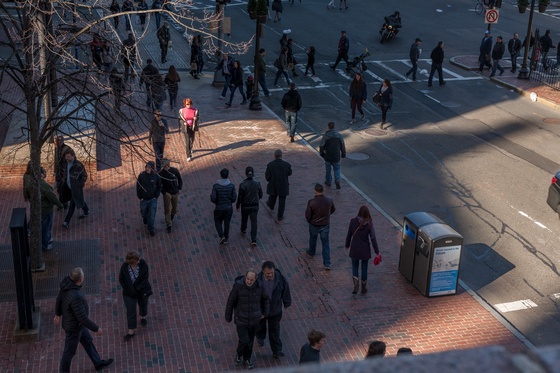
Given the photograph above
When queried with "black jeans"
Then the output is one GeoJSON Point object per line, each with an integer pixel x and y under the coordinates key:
{"type": "Point", "coordinates": [223, 217]}
{"type": "Point", "coordinates": [189, 139]}
{"type": "Point", "coordinates": [72, 208]}
{"type": "Point", "coordinates": [246, 336]}
{"type": "Point", "coordinates": [130, 304]}
{"type": "Point", "coordinates": [439, 68]}
{"type": "Point", "coordinates": [341, 56]}
{"type": "Point", "coordinates": [246, 213]}
{"type": "Point", "coordinates": [273, 331]}
{"type": "Point", "coordinates": [281, 204]}
{"type": "Point", "coordinates": [71, 345]}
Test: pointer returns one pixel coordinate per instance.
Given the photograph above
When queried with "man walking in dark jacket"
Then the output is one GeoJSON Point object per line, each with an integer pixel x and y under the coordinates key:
{"type": "Point", "coordinates": [277, 173]}
{"type": "Point", "coordinates": [250, 304]}
{"type": "Point", "coordinates": [156, 135]}
{"type": "Point", "coordinates": [318, 215]}
{"type": "Point", "coordinates": [514, 47]}
{"type": "Point", "coordinates": [148, 188]}
{"type": "Point", "coordinates": [291, 103]}
{"type": "Point", "coordinates": [484, 51]}
{"type": "Point", "coordinates": [343, 48]}
{"type": "Point", "coordinates": [546, 44]}
{"type": "Point", "coordinates": [60, 165]}
{"type": "Point", "coordinates": [261, 68]}
{"type": "Point", "coordinates": [437, 57]}
{"type": "Point", "coordinates": [332, 148]}
{"type": "Point", "coordinates": [497, 54]}
{"type": "Point", "coordinates": [250, 193]}
{"type": "Point", "coordinates": [164, 38]}
{"type": "Point", "coordinates": [276, 288]}
{"type": "Point", "coordinates": [414, 55]}
{"type": "Point", "coordinates": [171, 185]}
{"type": "Point", "coordinates": [223, 196]}
{"type": "Point", "coordinates": [72, 307]}
{"type": "Point", "coordinates": [148, 77]}
{"type": "Point", "coordinates": [74, 181]}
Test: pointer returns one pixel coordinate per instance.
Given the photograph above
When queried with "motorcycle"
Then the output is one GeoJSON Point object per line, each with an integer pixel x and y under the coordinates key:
{"type": "Point", "coordinates": [387, 32]}
{"type": "Point", "coordinates": [391, 27]}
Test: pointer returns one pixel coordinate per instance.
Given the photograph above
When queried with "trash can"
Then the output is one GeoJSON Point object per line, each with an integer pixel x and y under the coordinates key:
{"type": "Point", "coordinates": [411, 224]}
{"type": "Point", "coordinates": [437, 260]}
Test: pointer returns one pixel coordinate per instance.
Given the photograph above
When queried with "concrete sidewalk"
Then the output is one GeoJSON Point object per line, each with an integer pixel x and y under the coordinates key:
{"type": "Point", "coordinates": [192, 274]}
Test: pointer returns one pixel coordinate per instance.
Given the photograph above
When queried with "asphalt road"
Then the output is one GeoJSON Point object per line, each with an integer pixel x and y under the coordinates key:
{"type": "Point", "coordinates": [475, 154]}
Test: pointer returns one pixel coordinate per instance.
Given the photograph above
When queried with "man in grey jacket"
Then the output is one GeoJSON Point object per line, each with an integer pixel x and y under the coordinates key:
{"type": "Point", "coordinates": [332, 148]}
{"type": "Point", "coordinates": [223, 196]}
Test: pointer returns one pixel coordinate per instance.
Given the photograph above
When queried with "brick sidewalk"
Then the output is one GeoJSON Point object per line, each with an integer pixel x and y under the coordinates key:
{"type": "Point", "coordinates": [192, 275]}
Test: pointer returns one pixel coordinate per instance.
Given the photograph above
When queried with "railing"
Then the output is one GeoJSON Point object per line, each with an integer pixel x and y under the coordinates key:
{"type": "Point", "coordinates": [549, 75]}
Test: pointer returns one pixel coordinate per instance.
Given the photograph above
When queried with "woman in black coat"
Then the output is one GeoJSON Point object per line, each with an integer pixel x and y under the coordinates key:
{"type": "Point", "coordinates": [133, 278]}
{"type": "Point", "coordinates": [360, 234]}
{"type": "Point", "coordinates": [386, 102]}
{"type": "Point", "coordinates": [236, 82]}
{"type": "Point", "coordinates": [358, 95]}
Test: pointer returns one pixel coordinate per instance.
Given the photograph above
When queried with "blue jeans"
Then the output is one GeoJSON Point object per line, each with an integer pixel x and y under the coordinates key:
{"type": "Point", "coordinates": [412, 70]}
{"type": "Point", "coordinates": [46, 229]}
{"type": "Point", "coordinates": [513, 61]}
{"type": "Point", "coordinates": [159, 148]}
{"type": "Point", "coordinates": [227, 77]}
{"type": "Point", "coordinates": [355, 266]}
{"type": "Point", "coordinates": [323, 232]}
{"type": "Point", "coordinates": [262, 82]}
{"type": "Point", "coordinates": [233, 92]}
{"type": "Point", "coordinates": [336, 168]}
{"type": "Point", "coordinates": [148, 209]}
{"type": "Point", "coordinates": [291, 122]}
{"type": "Point", "coordinates": [71, 345]}
{"type": "Point", "coordinates": [280, 72]}
{"type": "Point", "coordinates": [223, 217]}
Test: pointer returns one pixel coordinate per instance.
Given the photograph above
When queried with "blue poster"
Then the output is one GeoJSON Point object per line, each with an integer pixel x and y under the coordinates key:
{"type": "Point", "coordinates": [445, 270]}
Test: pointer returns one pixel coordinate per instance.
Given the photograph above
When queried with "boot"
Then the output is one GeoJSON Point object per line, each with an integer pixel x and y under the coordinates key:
{"type": "Point", "coordinates": [356, 285]}
{"type": "Point", "coordinates": [364, 288]}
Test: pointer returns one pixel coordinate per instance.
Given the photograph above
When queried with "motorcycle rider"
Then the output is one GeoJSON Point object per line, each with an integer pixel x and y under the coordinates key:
{"type": "Point", "coordinates": [393, 20]}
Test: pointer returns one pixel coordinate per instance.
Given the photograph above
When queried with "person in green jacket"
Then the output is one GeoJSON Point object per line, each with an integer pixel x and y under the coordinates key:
{"type": "Point", "coordinates": [48, 201]}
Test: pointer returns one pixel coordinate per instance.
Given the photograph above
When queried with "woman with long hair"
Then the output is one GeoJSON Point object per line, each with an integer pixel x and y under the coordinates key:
{"type": "Point", "coordinates": [360, 235]}
{"type": "Point", "coordinates": [237, 82]}
{"type": "Point", "coordinates": [386, 101]}
{"type": "Point", "coordinates": [358, 95]}
{"type": "Point", "coordinates": [172, 80]}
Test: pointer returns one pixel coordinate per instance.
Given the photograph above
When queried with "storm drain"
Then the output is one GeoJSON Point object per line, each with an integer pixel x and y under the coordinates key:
{"type": "Point", "coordinates": [357, 156]}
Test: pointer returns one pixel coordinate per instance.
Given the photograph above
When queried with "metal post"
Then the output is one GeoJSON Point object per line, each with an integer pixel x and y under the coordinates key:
{"type": "Point", "coordinates": [524, 71]}
{"type": "Point", "coordinates": [218, 78]}
{"type": "Point", "coordinates": [255, 99]}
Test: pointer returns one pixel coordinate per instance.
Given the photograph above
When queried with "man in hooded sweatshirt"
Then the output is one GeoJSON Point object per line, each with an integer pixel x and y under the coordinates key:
{"type": "Point", "coordinates": [291, 103]}
{"type": "Point", "coordinates": [223, 196]}
{"type": "Point", "coordinates": [72, 308]}
{"type": "Point", "coordinates": [148, 189]}
{"type": "Point", "coordinates": [332, 148]}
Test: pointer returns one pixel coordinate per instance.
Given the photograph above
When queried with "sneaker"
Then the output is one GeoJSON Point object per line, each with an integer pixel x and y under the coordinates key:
{"type": "Point", "coordinates": [222, 97]}
{"type": "Point", "coordinates": [337, 184]}
{"type": "Point", "coordinates": [277, 86]}
{"type": "Point", "coordinates": [328, 268]}
{"type": "Point", "coordinates": [278, 354]}
{"type": "Point", "coordinates": [40, 268]}
{"type": "Point", "coordinates": [128, 337]}
{"type": "Point", "coordinates": [223, 241]}
{"type": "Point", "coordinates": [248, 364]}
{"type": "Point", "coordinates": [189, 159]}
{"type": "Point", "coordinates": [309, 256]}
{"type": "Point", "coordinates": [501, 72]}
{"type": "Point", "coordinates": [260, 342]}
{"type": "Point", "coordinates": [49, 247]}
{"type": "Point", "coordinates": [313, 76]}
{"type": "Point", "coordinates": [228, 103]}
{"type": "Point", "coordinates": [102, 364]}
{"type": "Point", "coordinates": [291, 139]}
{"type": "Point", "coordinates": [237, 360]}
{"type": "Point", "coordinates": [84, 215]}
{"type": "Point", "coordinates": [254, 243]}
{"type": "Point", "coordinates": [442, 83]}
{"type": "Point", "coordinates": [305, 74]}
{"type": "Point", "coordinates": [143, 322]}
{"type": "Point", "coordinates": [352, 122]}
{"type": "Point", "coordinates": [268, 95]}
{"type": "Point", "coordinates": [327, 183]}
{"type": "Point", "coordinates": [381, 125]}
{"type": "Point", "coordinates": [65, 224]}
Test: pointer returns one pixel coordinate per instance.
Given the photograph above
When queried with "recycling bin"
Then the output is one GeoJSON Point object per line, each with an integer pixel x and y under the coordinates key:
{"type": "Point", "coordinates": [411, 224]}
{"type": "Point", "coordinates": [437, 260]}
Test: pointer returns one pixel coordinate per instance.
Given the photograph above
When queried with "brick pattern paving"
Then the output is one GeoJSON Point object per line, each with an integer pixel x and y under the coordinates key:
{"type": "Point", "coordinates": [192, 274]}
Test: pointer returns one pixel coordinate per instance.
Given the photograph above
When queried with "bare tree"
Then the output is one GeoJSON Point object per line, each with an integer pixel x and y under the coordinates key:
{"type": "Point", "coordinates": [51, 79]}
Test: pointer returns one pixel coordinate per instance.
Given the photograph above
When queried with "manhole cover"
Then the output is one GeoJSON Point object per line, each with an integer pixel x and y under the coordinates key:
{"type": "Point", "coordinates": [551, 120]}
{"type": "Point", "coordinates": [449, 104]}
{"type": "Point", "coordinates": [357, 156]}
{"type": "Point", "coordinates": [376, 132]}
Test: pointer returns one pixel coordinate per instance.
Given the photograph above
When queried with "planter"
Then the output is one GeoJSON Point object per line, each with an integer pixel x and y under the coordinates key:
{"type": "Point", "coordinates": [262, 18]}
{"type": "Point", "coordinates": [253, 15]}
{"type": "Point", "coordinates": [542, 8]}
{"type": "Point", "coordinates": [522, 8]}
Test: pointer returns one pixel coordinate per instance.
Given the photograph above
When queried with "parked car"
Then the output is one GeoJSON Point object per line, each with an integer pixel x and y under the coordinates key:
{"type": "Point", "coordinates": [553, 198]}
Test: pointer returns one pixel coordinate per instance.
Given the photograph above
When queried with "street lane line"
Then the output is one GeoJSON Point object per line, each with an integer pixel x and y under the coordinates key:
{"type": "Point", "coordinates": [518, 305]}
{"type": "Point", "coordinates": [538, 224]}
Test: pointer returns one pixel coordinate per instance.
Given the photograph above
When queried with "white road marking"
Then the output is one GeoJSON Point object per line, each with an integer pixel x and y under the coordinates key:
{"type": "Point", "coordinates": [518, 305]}
{"type": "Point", "coordinates": [538, 224]}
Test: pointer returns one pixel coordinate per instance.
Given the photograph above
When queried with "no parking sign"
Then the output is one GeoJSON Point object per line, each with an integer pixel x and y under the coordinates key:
{"type": "Point", "coordinates": [491, 16]}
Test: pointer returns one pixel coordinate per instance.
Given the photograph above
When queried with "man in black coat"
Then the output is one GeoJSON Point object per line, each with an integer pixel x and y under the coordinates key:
{"type": "Point", "coordinates": [74, 179]}
{"type": "Point", "coordinates": [148, 77]}
{"type": "Point", "coordinates": [250, 193]}
{"type": "Point", "coordinates": [250, 304]}
{"type": "Point", "coordinates": [343, 48]}
{"type": "Point", "coordinates": [277, 289]}
{"type": "Point", "coordinates": [497, 54]}
{"type": "Point", "coordinates": [223, 196]}
{"type": "Point", "coordinates": [514, 47]}
{"type": "Point", "coordinates": [171, 185]}
{"type": "Point", "coordinates": [60, 165]}
{"type": "Point", "coordinates": [546, 44]}
{"type": "Point", "coordinates": [277, 173]}
{"type": "Point", "coordinates": [291, 103]}
{"type": "Point", "coordinates": [437, 57]}
{"type": "Point", "coordinates": [332, 148]}
{"type": "Point", "coordinates": [484, 51]}
{"type": "Point", "coordinates": [72, 307]}
{"type": "Point", "coordinates": [148, 189]}
{"type": "Point", "coordinates": [414, 56]}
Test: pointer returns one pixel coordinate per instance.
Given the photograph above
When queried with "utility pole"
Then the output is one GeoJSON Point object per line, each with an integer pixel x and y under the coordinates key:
{"type": "Point", "coordinates": [220, 10]}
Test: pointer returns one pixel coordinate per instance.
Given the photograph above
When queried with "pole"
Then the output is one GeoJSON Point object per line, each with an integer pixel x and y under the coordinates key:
{"type": "Point", "coordinates": [218, 78]}
{"type": "Point", "coordinates": [524, 71]}
{"type": "Point", "coordinates": [255, 99]}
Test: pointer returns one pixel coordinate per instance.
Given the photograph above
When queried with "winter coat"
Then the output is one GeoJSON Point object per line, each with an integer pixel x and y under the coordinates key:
{"type": "Point", "coordinates": [71, 304]}
{"type": "Point", "coordinates": [281, 295]}
{"type": "Point", "coordinates": [148, 185]}
{"type": "Point", "coordinates": [171, 181]}
{"type": "Point", "coordinates": [157, 132]}
{"type": "Point", "coordinates": [358, 92]}
{"type": "Point", "coordinates": [48, 198]}
{"type": "Point", "coordinates": [223, 194]}
{"type": "Point", "coordinates": [283, 61]}
{"type": "Point", "coordinates": [250, 192]}
{"type": "Point", "coordinates": [140, 286]}
{"type": "Point", "coordinates": [358, 239]}
{"type": "Point", "coordinates": [60, 164]}
{"type": "Point", "coordinates": [438, 56]}
{"type": "Point", "coordinates": [310, 58]}
{"type": "Point", "coordinates": [386, 97]}
{"type": "Point", "coordinates": [332, 147]}
{"type": "Point", "coordinates": [78, 178]}
{"type": "Point", "coordinates": [248, 303]}
{"type": "Point", "coordinates": [485, 45]}
{"type": "Point", "coordinates": [546, 43]}
{"type": "Point", "coordinates": [261, 65]}
{"type": "Point", "coordinates": [291, 101]}
{"type": "Point", "coordinates": [514, 46]}
{"type": "Point", "coordinates": [149, 74]}
{"type": "Point", "coordinates": [172, 84]}
{"type": "Point", "coordinates": [319, 210]}
{"type": "Point", "coordinates": [276, 174]}
{"type": "Point", "coordinates": [414, 53]}
{"type": "Point", "coordinates": [343, 45]}
{"type": "Point", "coordinates": [498, 51]}
{"type": "Point", "coordinates": [237, 77]}
{"type": "Point", "coordinates": [229, 66]}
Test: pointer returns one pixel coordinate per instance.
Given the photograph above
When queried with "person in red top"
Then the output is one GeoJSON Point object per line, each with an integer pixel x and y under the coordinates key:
{"type": "Point", "coordinates": [188, 117]}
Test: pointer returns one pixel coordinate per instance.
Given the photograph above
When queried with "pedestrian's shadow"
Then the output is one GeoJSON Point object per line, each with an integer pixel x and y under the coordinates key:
{"type": "Point", "coordinates": [237, 145]}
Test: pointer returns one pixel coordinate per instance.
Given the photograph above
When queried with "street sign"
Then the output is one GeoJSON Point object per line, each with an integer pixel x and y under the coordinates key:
{"type": "Point", "coordinates": [491, 16]}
